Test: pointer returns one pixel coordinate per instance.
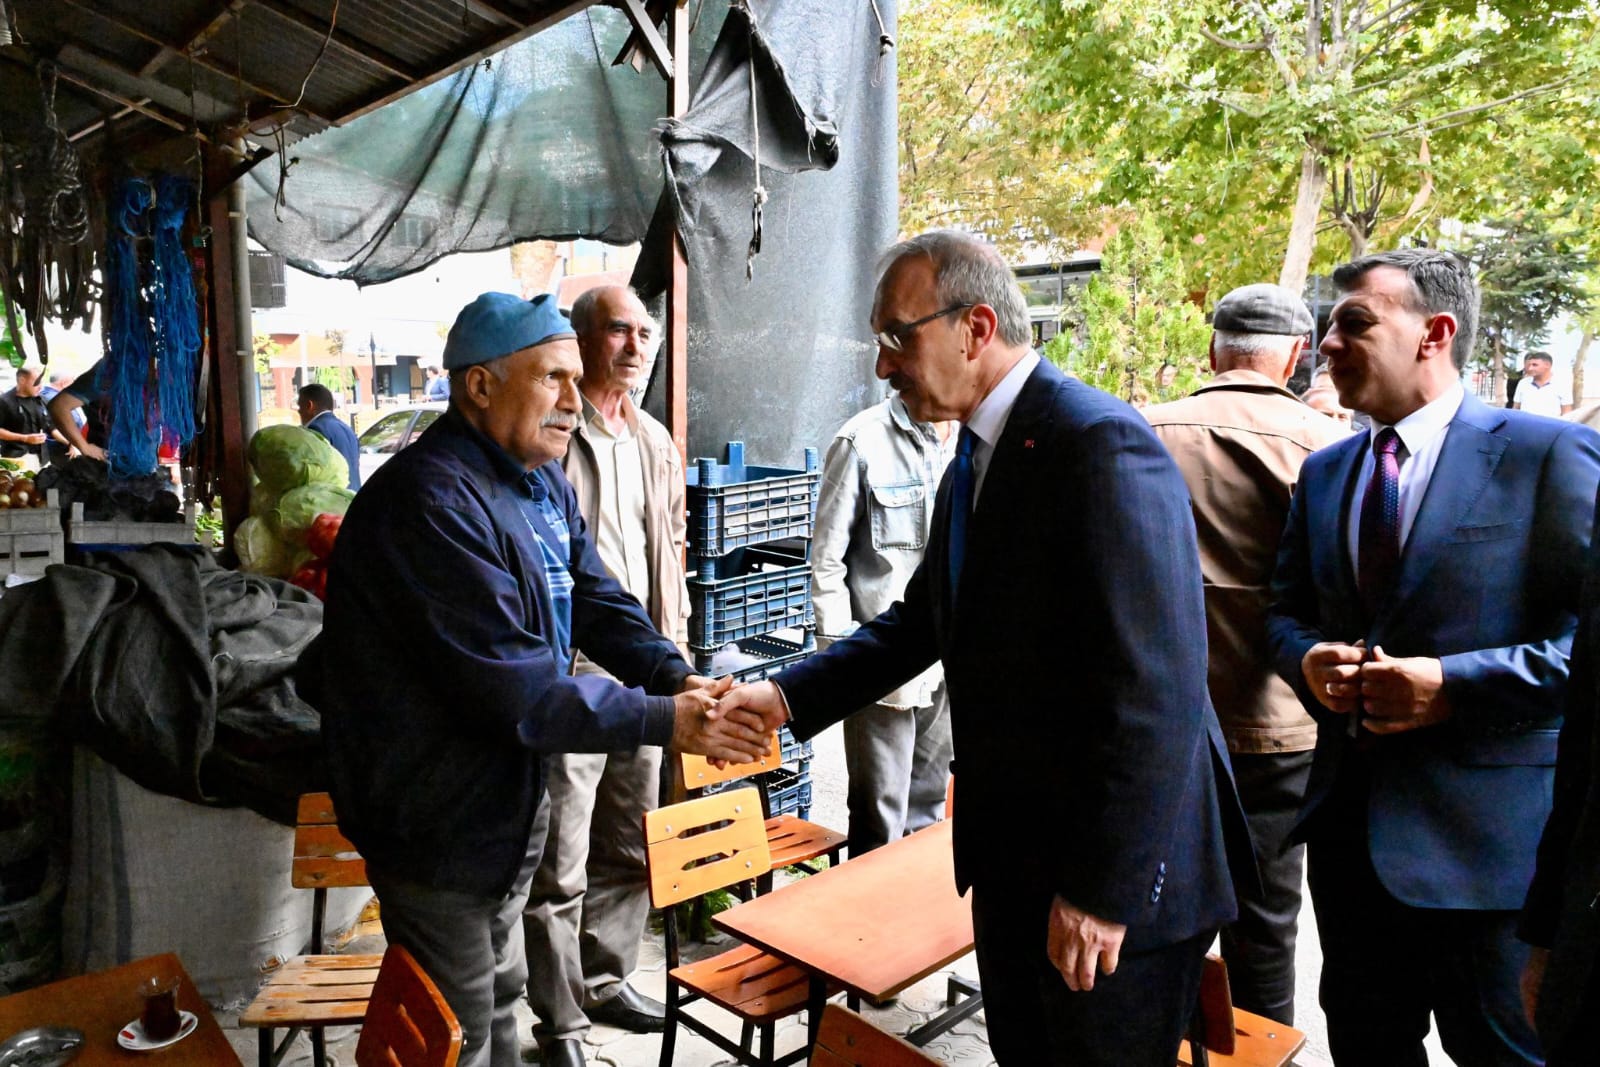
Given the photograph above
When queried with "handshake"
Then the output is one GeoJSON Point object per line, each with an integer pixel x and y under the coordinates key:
{"type": "Point", "coordinates": [724, 722]}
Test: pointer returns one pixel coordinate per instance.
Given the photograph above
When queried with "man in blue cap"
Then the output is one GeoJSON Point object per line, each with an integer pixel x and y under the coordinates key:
{"type": "Point", "coordinates": [461, 582]}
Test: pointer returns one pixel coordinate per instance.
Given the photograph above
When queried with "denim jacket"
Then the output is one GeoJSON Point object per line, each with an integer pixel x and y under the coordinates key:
{"type": "Point", "coordinates": [874, 513]}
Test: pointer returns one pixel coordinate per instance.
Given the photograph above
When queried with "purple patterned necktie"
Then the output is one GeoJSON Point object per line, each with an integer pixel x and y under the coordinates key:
{"type": "Point", "coordinates": [1379, 537]}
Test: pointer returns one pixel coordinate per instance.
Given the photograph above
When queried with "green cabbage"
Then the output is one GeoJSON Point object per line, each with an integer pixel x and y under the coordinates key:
{"type": "Point", "coordinates": [299, 508]}
{"type": "Point", "coordinates": [259, 551]}
{"type": "Point", "coordinates": [287, 457]}
{"type": "Point", "coordinates": [263, 501]}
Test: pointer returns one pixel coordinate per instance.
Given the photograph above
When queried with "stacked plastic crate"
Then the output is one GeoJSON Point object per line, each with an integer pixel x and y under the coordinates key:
{"type": "Point", "coordinates": [750, 586]}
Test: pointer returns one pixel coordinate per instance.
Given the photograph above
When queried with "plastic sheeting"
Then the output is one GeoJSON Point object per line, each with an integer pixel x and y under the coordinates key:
{"type": "Point", "coordinates": [782, 360]}
{"type": "Point", "coordinates": [548, 140]}
{"type": "Point", "coordinates": [545, 139]}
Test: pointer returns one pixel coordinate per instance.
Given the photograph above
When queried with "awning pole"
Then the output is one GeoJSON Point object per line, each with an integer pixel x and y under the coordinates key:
{"type": "Point", "coordinates": [677, 325]}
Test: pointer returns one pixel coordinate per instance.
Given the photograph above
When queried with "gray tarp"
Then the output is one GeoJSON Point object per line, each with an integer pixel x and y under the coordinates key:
{"type": "Point", "coordinates": [173, 669]}
{"type": "Point", "coordinates": [549, 141]}
{"type": "Point", "coordinates": [781, 360]}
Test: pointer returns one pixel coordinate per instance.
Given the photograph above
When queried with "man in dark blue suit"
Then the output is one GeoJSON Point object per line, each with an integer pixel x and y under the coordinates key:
{"type": "Point", "coordinates": [1061, 588]}
{"type": "Point", "coordinates": [1425, 601]}
{"type": "Point", "coordinates": [1561, 983]}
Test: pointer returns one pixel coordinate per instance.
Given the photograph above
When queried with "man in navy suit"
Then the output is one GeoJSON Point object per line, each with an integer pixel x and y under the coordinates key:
{"type": "Point", "coordinates": [1425, 601]}
{"type": "Point", "coordinates": [1061, 588]}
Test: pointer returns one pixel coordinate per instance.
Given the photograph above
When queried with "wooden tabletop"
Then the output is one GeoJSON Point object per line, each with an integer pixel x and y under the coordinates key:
{"type": "Point", "coordinates": [874, 924]}
{"type": "Point", "coordinates": [102, 1003]}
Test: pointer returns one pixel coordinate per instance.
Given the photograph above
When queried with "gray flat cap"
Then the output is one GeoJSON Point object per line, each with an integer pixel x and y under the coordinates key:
{"type": "Point", "coordinates": [1262, 308]}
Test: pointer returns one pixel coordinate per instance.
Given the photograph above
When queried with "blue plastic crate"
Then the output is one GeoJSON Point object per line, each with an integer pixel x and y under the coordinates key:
{"type": "Point", "coordinates": [792, 751]}
{"type": "Point", "coordinates": [733, 505]}
{"type": "Point", "coordinates": [755, 591]}
{"type": "Point", "coordinates": [788, 792]}
{"type": "Point", "coordinates": [755, 658]}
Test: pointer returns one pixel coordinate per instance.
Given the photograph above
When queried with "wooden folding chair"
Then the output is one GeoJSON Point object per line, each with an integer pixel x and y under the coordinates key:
{"type": "Point", "coordinates": [693, 848]}
{"type": "Point", "coordinates": [408, 1024]}
{"type": "Point", "coordinates": [791, 840]}
{"type": "Point", "coordinates": [311, 992]}
{"type": "Point", "coordinates": [848, 1040]}
{"type": "Point", "coordinates": [1222, 1034]}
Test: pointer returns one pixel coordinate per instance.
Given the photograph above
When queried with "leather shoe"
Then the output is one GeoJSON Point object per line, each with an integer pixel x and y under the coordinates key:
{"type": "Point", "coordinates": [630, 1010]}
{"type": "Point", "coordinates": [567, 1052]}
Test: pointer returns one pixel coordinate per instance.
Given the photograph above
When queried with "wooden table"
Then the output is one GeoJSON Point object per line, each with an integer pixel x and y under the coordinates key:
{"type": "Point", "coordinates": [102, 1003]}
{"type": "Point", "coordinates": [874, 925]}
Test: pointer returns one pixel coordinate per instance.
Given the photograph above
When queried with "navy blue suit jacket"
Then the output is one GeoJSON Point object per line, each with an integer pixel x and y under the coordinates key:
{"type": "Point", "coordinates": [1088, 758]}
{"type": "Point", "coordinates": [1489, 582]}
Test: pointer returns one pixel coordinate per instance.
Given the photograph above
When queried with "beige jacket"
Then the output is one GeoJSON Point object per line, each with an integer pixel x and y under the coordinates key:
{"type": "Point", "coordinates": [665, 521]}
{"type": "Point", "coordinates": [1239, 442]}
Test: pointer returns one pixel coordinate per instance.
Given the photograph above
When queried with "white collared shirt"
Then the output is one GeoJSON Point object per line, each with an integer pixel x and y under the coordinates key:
{"type": "Point", "coordinates": [619, 528]}
{"type": "Point", "coordinates": [989, 419]}
{"type": "Point", "coordinates": [1422, 435]}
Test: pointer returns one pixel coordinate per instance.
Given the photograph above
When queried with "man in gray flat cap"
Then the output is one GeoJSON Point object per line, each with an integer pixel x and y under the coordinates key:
{"type": "Point", "coordinates": [1239, 441]}
{"type": "Point", "coordinates": [463, 580]}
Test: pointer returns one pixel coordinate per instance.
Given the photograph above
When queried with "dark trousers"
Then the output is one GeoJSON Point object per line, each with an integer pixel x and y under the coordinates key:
{"type": "Point", "coordinates": [1133, 1018]}
{"type": "Point", "coordinates": [1386, 965]}
{"type": "Point", "coordinates": [1576, 1047]}
{"type": "Point", "coordinates": [1259, 947]}
{"type": "Point", "coordinates": [472, 948]}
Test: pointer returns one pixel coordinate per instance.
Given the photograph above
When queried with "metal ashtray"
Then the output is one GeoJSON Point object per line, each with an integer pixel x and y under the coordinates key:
{"type": "Point", "coordinates": [41, 1046]}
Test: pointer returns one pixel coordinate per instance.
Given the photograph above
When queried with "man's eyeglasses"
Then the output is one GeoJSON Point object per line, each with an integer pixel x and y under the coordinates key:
{"type": "Point", "coordinates": [895, 337]}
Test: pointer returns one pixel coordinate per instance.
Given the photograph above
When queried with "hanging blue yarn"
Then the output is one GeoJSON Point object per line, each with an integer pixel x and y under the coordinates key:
{"type": "Point", "coordinates": [131, 443]}
{"type": "Point", "coordinates": [173, 308]}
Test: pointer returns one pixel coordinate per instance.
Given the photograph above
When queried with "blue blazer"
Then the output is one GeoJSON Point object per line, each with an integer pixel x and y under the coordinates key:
{"type": "Point", "coordinates": [1088, 758]}
{"type": "Point", "coordinates": [1489, 583]}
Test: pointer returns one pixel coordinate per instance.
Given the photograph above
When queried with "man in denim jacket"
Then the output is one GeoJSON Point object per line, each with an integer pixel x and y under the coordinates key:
{"type": "Point", "coordinates": [873, 514]}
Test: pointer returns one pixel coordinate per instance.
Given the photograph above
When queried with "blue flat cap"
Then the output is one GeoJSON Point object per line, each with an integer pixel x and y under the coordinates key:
{"type": "Point", "coordinates": [1262, 308]}
{"type": "Point", "coordinates": [498, 324]}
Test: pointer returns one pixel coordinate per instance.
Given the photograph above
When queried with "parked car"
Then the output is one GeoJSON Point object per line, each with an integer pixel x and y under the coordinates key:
{"type": "Point", "coordinates": [393, 432]}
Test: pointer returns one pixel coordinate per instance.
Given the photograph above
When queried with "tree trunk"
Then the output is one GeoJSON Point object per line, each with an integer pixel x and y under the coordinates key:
{"type": "Point", "coordinates": [1497, 374]}
{"type": "Point", "coordinates": [1303, 227]}
{"type": "Point", "coordinates": [1577, 367]}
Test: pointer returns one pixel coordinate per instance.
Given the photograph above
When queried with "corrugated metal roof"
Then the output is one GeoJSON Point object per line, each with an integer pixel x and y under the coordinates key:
{"type": "Point", "coordinates": [160, 67]}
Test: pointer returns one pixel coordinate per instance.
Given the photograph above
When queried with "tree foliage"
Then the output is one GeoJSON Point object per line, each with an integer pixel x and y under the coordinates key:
{"type": "Point", "coordinates": [1258, 127]}
{"type": "Point", "coordinates": [1531, 269]}
{"type": "Point", "coordinates": [1133, 331]}
{"type": "Point", "coordinates": [971, 153]}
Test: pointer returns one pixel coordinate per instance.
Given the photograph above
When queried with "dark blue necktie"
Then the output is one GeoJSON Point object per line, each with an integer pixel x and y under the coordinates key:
{"type": "Point", "coordinates": [1378, 539]}
{"type": "Point", "coordinates": [962, 482]}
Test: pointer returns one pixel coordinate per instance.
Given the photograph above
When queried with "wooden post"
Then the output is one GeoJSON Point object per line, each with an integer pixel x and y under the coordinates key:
{"type": "Point", "coordinates": [232, 352]}
{"type": "Point", "coordinates": [677, 324]}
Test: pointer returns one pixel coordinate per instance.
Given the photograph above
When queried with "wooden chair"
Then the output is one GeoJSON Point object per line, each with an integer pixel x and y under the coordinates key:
{"type": "Point", "coordinates": [1222, 1034]}
{"type": "Point", "coordinates": [693, 848]}
{"type": "Point", "coordinates": [791, 840]}
{"type": "Point", "coordinates": [408, 1024]}
{"type": "Point", "coordinates": [311, 992]}
{"type": "Point", "coordinates": [848, 1040]}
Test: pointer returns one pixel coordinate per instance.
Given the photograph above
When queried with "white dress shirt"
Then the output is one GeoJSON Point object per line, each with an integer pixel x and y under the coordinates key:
{"type": "Point", "coordinates": [1422, 435]}
{"type": "Point", "coordinates": [989, 419]}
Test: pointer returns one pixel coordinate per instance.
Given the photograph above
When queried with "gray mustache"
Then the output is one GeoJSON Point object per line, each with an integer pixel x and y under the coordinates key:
{"type": "Point", "coordinates": [561, 420]}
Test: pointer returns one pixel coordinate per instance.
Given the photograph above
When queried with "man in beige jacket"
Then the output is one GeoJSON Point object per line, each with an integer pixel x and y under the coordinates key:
{"type": "Point", "coordinates": [590, 895]}
{"type": "Point", "coordinates": [1239, 441]}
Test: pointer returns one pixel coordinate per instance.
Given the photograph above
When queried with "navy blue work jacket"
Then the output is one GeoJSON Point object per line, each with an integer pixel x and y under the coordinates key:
{"type": "Point", "coordinates": [435, 675]}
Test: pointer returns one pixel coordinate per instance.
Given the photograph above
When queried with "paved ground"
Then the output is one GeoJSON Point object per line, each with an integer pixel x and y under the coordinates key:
{"type": "Point", "coordinates": [965, 1045]}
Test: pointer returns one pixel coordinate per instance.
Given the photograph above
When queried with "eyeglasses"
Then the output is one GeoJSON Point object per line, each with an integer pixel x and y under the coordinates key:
{"type": "Point", "coordinates": [895, 337]}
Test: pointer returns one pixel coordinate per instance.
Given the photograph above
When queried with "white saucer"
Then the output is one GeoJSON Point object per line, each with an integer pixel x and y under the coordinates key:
{"type": "Point", "coordinates": [132, 1037]}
